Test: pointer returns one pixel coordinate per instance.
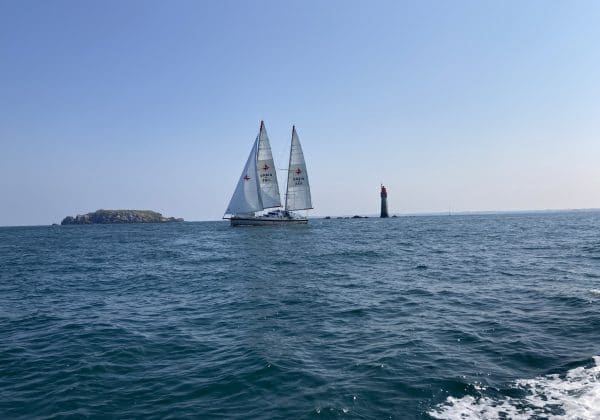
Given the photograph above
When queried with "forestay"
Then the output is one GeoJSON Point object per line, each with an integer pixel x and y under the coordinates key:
{"type": "Point", "coordinates": [267, 175]}
{"type": "Point", "coordinates": [246, 198]}
{"type": "Point", "coordinates": [298, 188]}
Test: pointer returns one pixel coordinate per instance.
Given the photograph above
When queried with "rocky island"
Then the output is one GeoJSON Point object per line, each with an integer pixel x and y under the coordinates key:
{"type": "Point", "coordinates": [118, 216]}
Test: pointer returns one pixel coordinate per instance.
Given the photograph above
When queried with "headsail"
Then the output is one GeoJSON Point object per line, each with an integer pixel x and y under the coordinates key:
{"type": "Point", "coordinates": [298, 188]}
{"type": "Point", "coordinates": [246, 197]}
{"type": "Point", "coordinates": [267, 176]}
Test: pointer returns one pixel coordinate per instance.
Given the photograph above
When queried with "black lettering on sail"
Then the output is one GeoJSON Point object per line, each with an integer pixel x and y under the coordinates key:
{"type": "Point", "coordinates": [266, 177]}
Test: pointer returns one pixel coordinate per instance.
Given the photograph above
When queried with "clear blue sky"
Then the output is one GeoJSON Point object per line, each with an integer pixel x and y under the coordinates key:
{"type": "Point", "coordinates": [473, 105]}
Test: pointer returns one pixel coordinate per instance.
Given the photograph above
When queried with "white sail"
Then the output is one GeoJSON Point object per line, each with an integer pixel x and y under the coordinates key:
{"type": "Point", "coordinates": [267, 175]}
{"type": "Point", "coordinates": [298, 188]}
{"type": "Point", "coordinates": [246, 197]}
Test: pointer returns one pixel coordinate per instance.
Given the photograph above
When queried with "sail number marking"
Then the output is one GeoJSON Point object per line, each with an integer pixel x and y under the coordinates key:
{"type": "Point", "coordinates": [266, 177]}
{"type": "Point", "coordinates": [298, 180]}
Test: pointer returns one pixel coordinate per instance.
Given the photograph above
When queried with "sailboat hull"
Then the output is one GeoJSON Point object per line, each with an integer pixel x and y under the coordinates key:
{"type": "Point", "coordinates": [266, 221]}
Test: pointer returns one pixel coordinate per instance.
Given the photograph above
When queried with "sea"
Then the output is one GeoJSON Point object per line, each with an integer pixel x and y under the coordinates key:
{"type": "Point", "coordinates": [426, 317]}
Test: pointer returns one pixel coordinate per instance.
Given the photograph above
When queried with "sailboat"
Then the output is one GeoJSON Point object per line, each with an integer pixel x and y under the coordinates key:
{"type": "Point", "coordinates": [257, 189]}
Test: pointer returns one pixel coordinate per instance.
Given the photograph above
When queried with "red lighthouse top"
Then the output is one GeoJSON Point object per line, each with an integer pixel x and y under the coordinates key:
{"type": "Point", "coordinates": [383, 191]}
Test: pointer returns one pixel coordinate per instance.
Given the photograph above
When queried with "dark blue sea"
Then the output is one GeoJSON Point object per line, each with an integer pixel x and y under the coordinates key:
{"type": "Point", "coordinates": [478, 316]}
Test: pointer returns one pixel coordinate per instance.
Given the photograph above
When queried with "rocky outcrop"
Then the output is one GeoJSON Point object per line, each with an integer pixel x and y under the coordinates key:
{"type": "Point", "coordinates": [118, 216]}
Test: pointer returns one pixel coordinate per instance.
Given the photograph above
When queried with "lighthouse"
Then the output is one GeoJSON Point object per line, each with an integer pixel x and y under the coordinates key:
{"type": "Point", "coordinates": [384, 211]}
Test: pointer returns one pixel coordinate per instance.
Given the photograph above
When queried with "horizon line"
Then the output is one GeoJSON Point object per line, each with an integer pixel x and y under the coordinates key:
{"type": "Point", "coordinates": [374, 215]}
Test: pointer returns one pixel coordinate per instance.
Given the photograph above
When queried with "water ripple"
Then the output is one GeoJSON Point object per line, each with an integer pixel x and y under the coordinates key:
{"type": "Point", "coordinates": [412, 317]}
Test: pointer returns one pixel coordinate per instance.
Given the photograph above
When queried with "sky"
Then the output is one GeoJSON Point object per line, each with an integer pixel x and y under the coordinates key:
{"type": "Point", "coordinates": [138, 104]}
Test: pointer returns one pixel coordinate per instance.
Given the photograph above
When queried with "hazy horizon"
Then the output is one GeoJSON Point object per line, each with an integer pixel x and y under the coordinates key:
{"type": "Point", "coordinates": [463, 106]}
{"type": "Point", "coordinates": [373, 215]}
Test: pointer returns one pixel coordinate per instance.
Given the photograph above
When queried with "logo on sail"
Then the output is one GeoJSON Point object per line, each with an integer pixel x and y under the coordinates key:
{"type": "Point", "coordinates": [264, 175]}
{"type": "Point", "coordinates": [298, 179]}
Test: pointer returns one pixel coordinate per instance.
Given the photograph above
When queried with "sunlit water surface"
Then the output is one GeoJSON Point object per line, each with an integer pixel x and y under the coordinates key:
{"type": "Point", "coordinates": [410, 317]}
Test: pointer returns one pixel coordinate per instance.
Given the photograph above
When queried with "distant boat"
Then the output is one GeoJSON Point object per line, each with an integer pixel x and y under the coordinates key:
{"type": "Point", "coordinates": [257, 189]}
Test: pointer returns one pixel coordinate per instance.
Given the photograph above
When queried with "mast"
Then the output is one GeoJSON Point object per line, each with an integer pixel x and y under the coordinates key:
{"type": "Point", "coordinates": [287, 184]}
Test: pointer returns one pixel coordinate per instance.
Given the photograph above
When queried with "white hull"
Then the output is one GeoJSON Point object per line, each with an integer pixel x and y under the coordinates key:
{"type": "Point", "coordinates": [266, 221]}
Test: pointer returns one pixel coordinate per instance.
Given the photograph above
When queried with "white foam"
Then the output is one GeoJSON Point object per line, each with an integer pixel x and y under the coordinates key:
{"type": "Point", "coordinates": [595, 292]}
{"type": "Point", "coordinates": [575, 395]}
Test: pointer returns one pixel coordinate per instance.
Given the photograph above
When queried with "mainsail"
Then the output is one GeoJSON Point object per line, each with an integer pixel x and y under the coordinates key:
{"type": "Point", "coordinates": [267, 176]}
{"type": "Point", "coordinates": [246, 198]}
{"type": "Point", "coordinates": [298, 188]}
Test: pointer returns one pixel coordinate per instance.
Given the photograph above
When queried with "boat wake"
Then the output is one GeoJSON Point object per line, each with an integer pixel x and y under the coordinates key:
{"type": "Point", "coordinates": [575, 395]}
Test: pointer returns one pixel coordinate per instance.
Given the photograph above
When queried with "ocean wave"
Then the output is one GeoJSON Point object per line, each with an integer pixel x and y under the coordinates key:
{"type": "Point", "coordinates": [575, 395]}
{"type": "Point", "coordinates": [595, 292]}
